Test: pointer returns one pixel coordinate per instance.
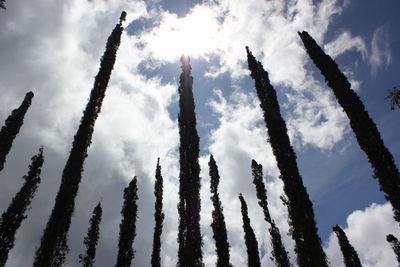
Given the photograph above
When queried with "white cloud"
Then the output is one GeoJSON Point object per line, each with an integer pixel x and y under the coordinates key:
{"type": "Point", "coordinates": [346, 42]}
{"type": "Point", "coordinates": [380, 50]}
{"type": "Point", "coordinates": [366, 231]}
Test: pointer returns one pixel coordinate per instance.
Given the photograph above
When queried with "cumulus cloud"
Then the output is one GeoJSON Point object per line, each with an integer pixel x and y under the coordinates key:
{"type": "Point", "coordinates": [367, 230]}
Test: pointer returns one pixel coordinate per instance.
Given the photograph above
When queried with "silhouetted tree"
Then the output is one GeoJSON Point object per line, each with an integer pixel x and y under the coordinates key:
{"type": "Point", "coordinates": [92, 237]}
{"type": "Point", "coordinates": [394, 97]}
{"type": "Point", "coordinates": [12, 126]}
{"type": "Point", "coordinates": [2, 4]}
{"type": "Point", "coordinates": [218, 223]}
{"type": "Point", "coordinates": [253, 258]}
{"type": "Point", "coordinates": [350, 256]}
{"type": "Point", "coordinates": [12, 219]}
{"type": "Point", "coordinates": [127, 228]}
{"type": "Point", "coordinates": [158, 217]}
{"type": "Point", "coordinates": [367, 134]}
{"type": "Point", "coordinates": [301, 215]}
{"type": "Point", "coordinates": [394, 242]}
{"type": "Point", "coordinates": [53, 246]}
{"type": "Point", "coordinates": [189, 236]}
{"type": "Point", "coordinates": [279, 252]}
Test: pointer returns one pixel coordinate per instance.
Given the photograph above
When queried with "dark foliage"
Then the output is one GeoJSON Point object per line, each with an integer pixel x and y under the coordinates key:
{"type": "Point", "coordinates": [350, 256]}
{"type": "Point", "coordinates": [301, 215]}
{"type": "Point", "coordinates": [127, 228]}
{"type": "Point", "coordinates": [218, 223]}
{"type": "Point", "coordinates": [253, 258]}
{"type": "Point", "coordinates": [2, 4]}
{"type": "Point", "coordinates": [279, 252]}
{"type": "Point", "coordinates": [92, 237]}
{"type": "Point", "coordinates": [53, 246]}
{"type": "Point", "coordinates": [158, 217]}
{"type": "Point", "coordinates": [12, 126]}
{"type": "Point", "coordinates": [189, 236]}
{"type": "Point", "coordinates": [366, 132]}
{"type": "Point", "coordinates": [394, 242]}
{"type": "Point", "coordinates": [12, 219]}
{"type": "Point", "coordinates": [394, 97]}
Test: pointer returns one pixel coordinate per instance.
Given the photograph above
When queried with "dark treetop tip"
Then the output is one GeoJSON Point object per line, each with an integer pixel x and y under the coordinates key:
{"type": "Point", "coordinates": [123, 17]}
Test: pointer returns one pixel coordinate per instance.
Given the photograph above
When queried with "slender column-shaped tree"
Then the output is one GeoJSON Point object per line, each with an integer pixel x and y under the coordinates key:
{"type": "Point", "coordinates": [189, 236]}
{"type": "Point", "coordinates": [253, 257]}
{"type": "Point", "coordinates": [53, 246]}
{"type": "Point", "coordinates": [350, 256]}
{"type": "Point", "coordinates": [127, 228]}
{"type": "Point", "coordinates": [218, 223]}
{"type": "Point", "coordinates": [158, 217]}
{"type": "Point", "coordinates": [12, 126]}
{"type": "Point", "coordinates": [12, 219]}
{"type": "Point", "coordinates": [366, 132]}
{"type": "Point", "coordinates": [394, 242]}
{"type": "Point", "coordinates": [92, 237]}
{"type": "Point", "coordinates": [279, 252]}
{"type": "Point", "coordinates": [301, 215]}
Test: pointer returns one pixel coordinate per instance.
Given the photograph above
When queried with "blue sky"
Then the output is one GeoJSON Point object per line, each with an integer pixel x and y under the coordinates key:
{"type": "Point", "coordinates": [54, 50]}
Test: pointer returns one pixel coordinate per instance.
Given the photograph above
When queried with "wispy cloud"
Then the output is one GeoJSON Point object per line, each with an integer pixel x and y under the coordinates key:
{"type": "Point", "coordinates": [380, 50]}
{"type": "Point", "coordinates": [346, 42]}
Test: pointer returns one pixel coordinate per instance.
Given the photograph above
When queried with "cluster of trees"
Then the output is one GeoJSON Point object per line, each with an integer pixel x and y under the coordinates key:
{"type": "Point", "coordinates": [303, 228]}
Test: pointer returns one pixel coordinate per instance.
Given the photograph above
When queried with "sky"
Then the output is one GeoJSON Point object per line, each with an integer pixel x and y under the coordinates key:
{"type": "Point", "coordinates": [54, 48]}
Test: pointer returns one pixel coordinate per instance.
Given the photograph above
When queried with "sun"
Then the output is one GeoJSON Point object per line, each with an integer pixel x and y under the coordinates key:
{"type": "Point", "coordinates": [194, 35]}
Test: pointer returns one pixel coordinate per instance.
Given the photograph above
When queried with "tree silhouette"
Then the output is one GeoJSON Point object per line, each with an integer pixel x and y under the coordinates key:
{"type": "Point", "coordinates": [2, 4]}
{"type": "Point", "coordinates": [127, 228]}
{"type": "Point", "coordinates": [92, 237]}
{"type": "Point", "coordinates": [253, 258]}
{"type": "Point", "coordinates": [12, 218]}
{"type": "Point", "coordinates": [394, 242]}
{"type": "Point", "coordinates": [189, 236]}
{"type": "Point", "coordinates": [279, 252]}
{"type": "Point", "coordinates": [53, 246]}
{"type": "Point", "coordinates": [218, 223]}
{"type": "Point", "coordinates": [158, 217]}
{"type": "Point", "coordinates": [350, 256]}
{"type": "Point", "coordinates": [301, 215]}
{"type": "Point", "coordinates": [367, 134]}
{"type": "Point", "coordinates": [394, 97]}
{"type": "Point", "coordinates": [12, 126]}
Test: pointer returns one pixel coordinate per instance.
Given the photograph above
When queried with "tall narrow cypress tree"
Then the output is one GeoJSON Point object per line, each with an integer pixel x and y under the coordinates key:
{"type": "Point", "coordinates": [279, 252]}
{"type": "Point", "coordinates": [92, 237]}
{"type": "Point", "coordinates": [127, 228]}
{"type": "Point", "coordinates": [189, 236]}
{"type": "Point", "coordinates": [53, 246]}
{"type": "Point", "coordinates": [12, 219]}
{"type": "Point", "coordinates": [12, 126]}
{"type": "Point", "coordinates": [350, 256]}
{"type": "Point", "coordinates": [158, 217]}
{"type": "Point", "coordinates": [367, 134]}
{"type": "Point", "coordinates": [394, 242]}
{"type": "Point", "coordinates": [218, 223]}
{"type": "Point", "coordinates": [253, 258]}
{"type": "Point", "coordinates": [301, 215]}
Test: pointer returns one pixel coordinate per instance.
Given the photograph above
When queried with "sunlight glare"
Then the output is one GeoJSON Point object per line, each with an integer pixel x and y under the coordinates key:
{"type": "Point", "coordinates": [194, 35]}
